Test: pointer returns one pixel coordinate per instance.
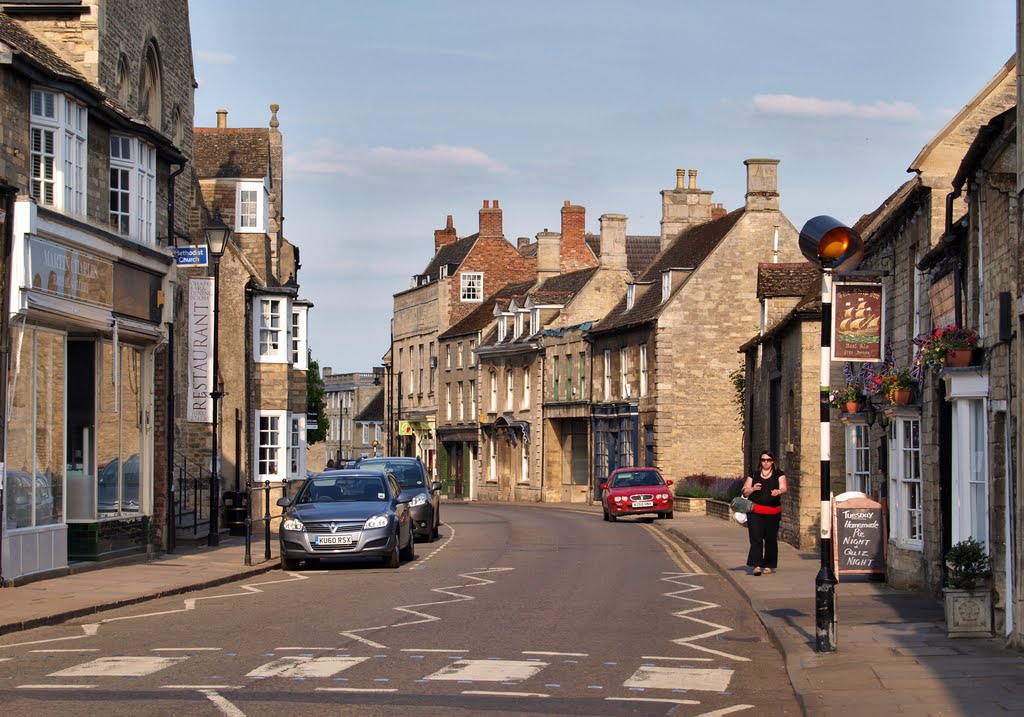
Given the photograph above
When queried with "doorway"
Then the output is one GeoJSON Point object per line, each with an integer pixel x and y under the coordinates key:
{"type": "Point", "coordinates": [81, 417]}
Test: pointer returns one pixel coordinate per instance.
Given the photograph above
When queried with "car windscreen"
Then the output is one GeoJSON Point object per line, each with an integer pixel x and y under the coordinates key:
{"type": "Point", "coordinates": [636, 478]}
{"type": "Point", "coordinates": [342, 489]}
{"type": "Point", "coordinates": [408, 475]}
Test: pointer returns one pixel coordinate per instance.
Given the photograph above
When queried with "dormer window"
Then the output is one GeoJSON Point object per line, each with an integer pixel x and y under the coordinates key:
{"type": "Point", "coordinates": [502, 328]}
{"type": "Point", "coordinates": [251, 207]}
{"type": "Point", "coordinates": [534, 321]}
{"type": "Point", "coordinates": [666, 285]}
{"type": "Point", "coordinates": [472, 288]}
{"type": "Point", "coordinates": [630, 296]}
{"type": "Point", "coordinates": [519, 324]}
{"type": "Point", "coordinates": [444, 271]}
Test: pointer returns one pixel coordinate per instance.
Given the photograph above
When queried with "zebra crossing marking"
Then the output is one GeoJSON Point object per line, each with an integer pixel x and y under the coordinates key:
{"type": "Point", "coordinates": [119, 667]}
{"type": "Point", "coordinates": [679, 678]}
{"type": "Point", "coordinates": [488, 671]}
{"type": "Point", "coordinates": [306, 666]}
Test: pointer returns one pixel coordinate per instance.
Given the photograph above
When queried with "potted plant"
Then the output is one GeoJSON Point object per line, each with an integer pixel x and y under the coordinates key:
{"type": "Point", "coordinates": [967, 595]}
{"type": "Point", "coordinates": [846, 397]}
{"type": "Point", "coordinates": [946, 346]}
{"type": "Point", "coordinates": [897, 387]}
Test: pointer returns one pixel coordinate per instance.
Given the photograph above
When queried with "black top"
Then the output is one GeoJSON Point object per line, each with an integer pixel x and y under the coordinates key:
{"type": "Point", "coordinates": [764, 496]}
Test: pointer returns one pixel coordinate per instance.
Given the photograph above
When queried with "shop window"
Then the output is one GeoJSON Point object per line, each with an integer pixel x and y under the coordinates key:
{"type": "Point", "coordinates": [970, 471]}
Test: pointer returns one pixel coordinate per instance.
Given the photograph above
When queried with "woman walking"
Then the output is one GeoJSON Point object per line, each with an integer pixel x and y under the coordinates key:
{"type": "Point", "coordinates": [765, 491]}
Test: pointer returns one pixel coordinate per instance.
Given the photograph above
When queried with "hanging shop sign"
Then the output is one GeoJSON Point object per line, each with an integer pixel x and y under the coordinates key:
{"type": "Point", "coordinates": [200, 350]}
{"type": "Point", "coordinates": [70, 273]}
{"type": "Point", "coordinates": [405, 428]}
{"type": "Point", "coordinates": [858, 321]}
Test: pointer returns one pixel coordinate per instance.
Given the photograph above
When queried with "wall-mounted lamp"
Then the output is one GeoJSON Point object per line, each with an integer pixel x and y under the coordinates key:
{"type": "Point", "coordinates": [872, 414]}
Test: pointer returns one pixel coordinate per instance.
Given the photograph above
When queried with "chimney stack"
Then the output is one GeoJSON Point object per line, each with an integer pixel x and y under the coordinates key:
{"type": "Point", "coordinates": [522, 243]}
{"type": "Point", "coordinates": [613, 241]}
{"type": "Point", "coordinates": [222, 119]}
{"type": "Point", "coordinates": [446, 236]}
{"type": "Point", "coordinates": [683, 207]}
{"type": "Point", "coordinates": [762, 185]}
{"type": "Point", "coordinates": [548, 255]}
{"type": "Point", "coordinates": [575, 254]}
{"type": "Point", "coordinates": [718, 211]}
{"type": "Point", "coordinates": [490, 220]}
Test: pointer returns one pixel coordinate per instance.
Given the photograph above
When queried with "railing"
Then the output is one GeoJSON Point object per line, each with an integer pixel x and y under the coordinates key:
{"type": "Point", "coordinates": [191, 499]}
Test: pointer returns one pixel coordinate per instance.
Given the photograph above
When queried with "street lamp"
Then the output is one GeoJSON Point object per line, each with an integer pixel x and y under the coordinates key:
{"type": "Point", "coordinates": [217, 233]}
{"type": "Point", "coordinates": [834, 247]}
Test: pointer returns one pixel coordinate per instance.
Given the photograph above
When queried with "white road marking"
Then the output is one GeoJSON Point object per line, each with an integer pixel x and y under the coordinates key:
{"type": "Point", "coordinates": [652, 699]}
{"type": "Point", "coordinates": [505, 694]}
{"type": "Point", "coordinates": [119, 667]}
{"type": "Point", "coordinates": [725, 711]}
{"type": "Point", "coordinates": [678, 678]}
{"type": "Point", "coordinates": [488, 670]}
{"type": "Point", "coordinates": [82, 649]}
{"type": "Point", "coordinates": [409, 649]}
{"type": "Point", "coordinates": [677, 659]}
{"type": "Point", "coordinates": [186, 649]}
{"type": "Point", "coordinates": [424, 616]}
{"type": "Point", "coordinates": [201, 687]}
{"type": "Point", "coordinates": [355, 689]}
{"type": "Point", "coordinates": [225, 707]}
{"type": "Point", "coordinates": [306, 666]}
{"type": "Point", "coordinates": [420, 562]}
{"type": "Point", "coordinates": [304, 649]}
{"type": "Point", "coordinates": [556, 654]}
{"type": "Point", "coordinates": [699, 605]}
{"type": "Point", "coordinates": [55, 687]}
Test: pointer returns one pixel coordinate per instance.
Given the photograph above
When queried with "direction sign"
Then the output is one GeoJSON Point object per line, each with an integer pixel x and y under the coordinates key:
{"type": "Point", "coordinates": [191, 255]}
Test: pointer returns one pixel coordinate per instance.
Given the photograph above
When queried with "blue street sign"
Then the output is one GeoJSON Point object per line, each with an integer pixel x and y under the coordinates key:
{"type": "Point", "coordinates": [191, 255]}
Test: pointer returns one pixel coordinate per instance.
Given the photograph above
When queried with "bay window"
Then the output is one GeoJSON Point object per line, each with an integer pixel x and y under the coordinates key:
{"type": "Point", "coordinates": [58, 138]}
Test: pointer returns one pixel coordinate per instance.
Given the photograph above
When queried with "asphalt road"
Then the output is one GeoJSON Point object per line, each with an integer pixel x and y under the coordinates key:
{"type": "Point", "coordinates": [514, 610]}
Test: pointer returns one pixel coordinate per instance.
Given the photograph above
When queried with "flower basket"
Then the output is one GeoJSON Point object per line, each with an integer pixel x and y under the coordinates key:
{"type": "Point", "coordinates": [852, 406]}
{"type": "Point", "coordinates": [894, 386]}
{"type": "Point", "coordinates": [846, 397]}
{"type": "Point", "coordinates": [900, 396]}
{"type": "Point", "coordinates": [958, 358]}
{"type": "Point", "coordinates": [948, 346]}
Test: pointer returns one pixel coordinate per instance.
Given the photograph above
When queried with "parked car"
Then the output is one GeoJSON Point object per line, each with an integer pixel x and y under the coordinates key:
{"type": "Point", "coordinates": [636, 491]}
{"type": "Point", "coordinates": [346, 513]}
{"type": "Point", "coordinates": [424, 500]}
{"type": "Point", "coordinates": [19, 500]}
{"type": "Point", "coordinates": [107, 502]}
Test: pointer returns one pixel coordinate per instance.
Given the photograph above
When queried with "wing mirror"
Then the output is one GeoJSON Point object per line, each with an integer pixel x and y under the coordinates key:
{"type": "Point", "coordinates": [668, 482]}
{"type": "Point", "coordinates": [435, 486]}
{"type": "Point", "coordinates": [604, 486]}
{"type": "Point", "coordinates": [284, 501]}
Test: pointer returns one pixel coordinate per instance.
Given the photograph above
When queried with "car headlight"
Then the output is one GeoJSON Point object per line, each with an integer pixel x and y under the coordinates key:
{"type": "Point", "coordinates": [664, 496]}
{"type": "Point", "coordinates": [619, 499]}
{"type": "Point", "coordinates": [377, 521]}
{"type": "Point", "coordinates": [418, 500]}
{"type": "Point", "coordinates": [292, 524]}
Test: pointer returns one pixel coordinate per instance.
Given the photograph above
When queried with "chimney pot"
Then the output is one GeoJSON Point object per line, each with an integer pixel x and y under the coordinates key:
{"type": "Point", "coordinates": [693, 179]}
{"type": "Point", "coordinates": [680, 179]}
{"type": "Point", "coordinates": [495, 203]}
{"type": "Point", "coordinates": [566, 203]}
{"type": "Point", "coordinates": [487, 204]}
{"type": "Point", "coordinates": [222, 119]}
{"type": "Point", "coordinates": [449, 224]}
{"type": "Point", "coordinates": [273, 115]}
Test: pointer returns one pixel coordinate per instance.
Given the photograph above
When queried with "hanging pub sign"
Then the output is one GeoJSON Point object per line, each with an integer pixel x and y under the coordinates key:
{"type": "Point", "coordinates": [858, 321]}
{"type": "Point", "coordinates": [200, 350]}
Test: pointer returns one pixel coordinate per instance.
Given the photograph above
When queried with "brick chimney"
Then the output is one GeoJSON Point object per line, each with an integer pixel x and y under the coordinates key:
{"type": "Point", "coordinates": [222, 119]}
{"type": "Point", "coordinates": [718, 211]}
{"type": "Point", "coordinates": [683, 207]}
{"type": "Point", "coordinates": [762, 185]}
{"type": "Point", "coordinates": [490, 220]}
{"type": "Point", "coordinates": [613, 241]}
{"type": "Point", "coordinates": [444, 237]}
{"type": "Point", "coordinates": [548, 255]}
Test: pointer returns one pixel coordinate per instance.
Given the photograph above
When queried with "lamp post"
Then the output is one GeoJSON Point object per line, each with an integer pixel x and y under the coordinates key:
{"type": "Point", "coordinates": [834, 247]}
{"type": "Point", "coordinates": [217, 233]}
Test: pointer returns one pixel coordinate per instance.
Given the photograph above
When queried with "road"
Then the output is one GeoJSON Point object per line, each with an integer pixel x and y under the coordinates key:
{"type": "Point", "coordinates": [514, 610]}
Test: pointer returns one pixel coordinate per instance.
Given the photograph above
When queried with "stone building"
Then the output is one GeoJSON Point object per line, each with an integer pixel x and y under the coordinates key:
{"type": "Point", "coordinates": [460, 276]}
{"type": "Point", "coordinates": [347, 395]}
{"type": "Point", "coordinates": [238, 176]}
{"type": "Point", "coordinates": [368, 441]}
{"type": "Point", "coordinates": [97, 100]}
{"type": "Point", "coordinates": [662, 357]}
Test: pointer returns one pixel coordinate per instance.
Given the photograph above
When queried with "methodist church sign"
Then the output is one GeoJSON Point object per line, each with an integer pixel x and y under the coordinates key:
{"type": "Point", "coordinates": [200, 350]}
{"type": "Point", "coordinates": [70, 273]}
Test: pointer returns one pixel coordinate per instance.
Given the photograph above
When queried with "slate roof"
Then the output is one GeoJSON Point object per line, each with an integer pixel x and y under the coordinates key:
{"type": "Point", "coordinates": [641, 250]}
{"type": "Point", "coordinates": [238, 153]}
{"type": "Point", "coordinates": [38, 52]}
{"type": "Point", "coordinates": [454, 253]}
{"type": "Point", "coordinates": [482, 315]}
{"type": "Point", "coordinates": [808, 308]}
{"type": "Point", "coordinates": [785, 279]}
{"type": "Point", "coordinates": [689, 250]}
{"type": "Point", "coordinates": [374, 410]}
{"type": "Point", "coordinates": [561, 288]}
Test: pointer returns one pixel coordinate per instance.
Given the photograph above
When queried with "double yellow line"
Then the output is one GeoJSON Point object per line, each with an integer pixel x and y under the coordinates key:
{"type": "Point", "coordinates": [675, 551]}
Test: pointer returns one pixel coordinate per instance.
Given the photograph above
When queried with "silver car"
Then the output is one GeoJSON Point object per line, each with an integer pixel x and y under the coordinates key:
{"type": "Point", "coordinates": [346, 513]}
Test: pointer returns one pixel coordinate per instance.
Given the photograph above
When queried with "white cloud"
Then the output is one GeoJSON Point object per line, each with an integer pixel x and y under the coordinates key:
{"type": "Point", "coordinates": [327, 158]}
{"type": "Point", "coordinates": [216, 58]}
{"type": "Point", "coordinates": [815, 107]}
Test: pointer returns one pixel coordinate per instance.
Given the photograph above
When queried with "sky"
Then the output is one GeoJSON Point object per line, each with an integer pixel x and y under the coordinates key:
{"type": "Point", "coordinates": [398, 113]}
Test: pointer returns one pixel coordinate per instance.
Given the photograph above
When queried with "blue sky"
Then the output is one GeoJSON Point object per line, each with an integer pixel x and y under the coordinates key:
{"type": "Point", "coordinates": [396, 114]}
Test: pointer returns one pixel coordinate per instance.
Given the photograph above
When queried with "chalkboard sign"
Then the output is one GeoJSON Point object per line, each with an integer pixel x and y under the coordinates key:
{"type": "Point", "coordinates": [858, 536]}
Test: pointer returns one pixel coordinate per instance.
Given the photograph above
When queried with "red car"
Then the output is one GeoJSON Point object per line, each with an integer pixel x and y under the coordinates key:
{"type": "Point", "coordinates": [636, 491]}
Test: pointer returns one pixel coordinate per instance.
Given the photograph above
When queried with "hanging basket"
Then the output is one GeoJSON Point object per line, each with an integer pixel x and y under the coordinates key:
{"type": "Point", "coordinates": [958, 358]}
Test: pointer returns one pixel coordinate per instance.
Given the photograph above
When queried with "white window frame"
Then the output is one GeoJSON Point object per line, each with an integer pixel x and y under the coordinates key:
{"type": "Point", "coordinates": [525, 477]}
{"type": "Point", "coordinates": [296, 446]}
{"type": "Point", "coordinates": [492, 455]}
{"type": "Point", "coordinates": [458, 355]}
{"type": "Point", "coordinates": [298, 339]}
{"type": "Point", "coordinates": [630, 295]}
{"type": "Point", "coordinates": [906, 508]}
{"type": "Point", "coordinates": [666, 285]}
{"type": "Point", "coordinates": [448, 401]}
{"type": "Point", "coordinates": [448, 356]}
{"type": "Point", "coordinates": [139, 166]}
{"type": "Point", "coordinates": [366, 434]}
{"type": "Point", "coordinates": [471, 288]}
{"type": "Point", "coordinates": [494, 391]}
{"type": "Point", "coordinates": [279, 455]}
{"type": "Point", "coordinates": [858, 458]}
{"type": "Point", "coordinates": [509, 389]}
{"type": "Point", "coordinates": [65, 123]}
{"type": "Point", "coordinates": [534, 321]}
{"type": "Point", "coordinates": [462, 402]}
{"type": "Point", "coordinates": [254, 194]}
{"type": "Point", "coordinates": [263, 313]}
{"type": "Point", "coordinates": [624, 371]}
{"type": "Point", "coordinates": [607, 374]}
{"type": "Point", "coordinates": [472, 400]}
{"type": "Point", "coordinates": [643, 370]}
{"type": "Point", "coordinates": [970, 471]}
{"type": "Point", "coordinates": [472, 352]}
{"type": "Point", "coordinates": [526, 388]}
{"type": "Point", "coordinates": [502, 327]}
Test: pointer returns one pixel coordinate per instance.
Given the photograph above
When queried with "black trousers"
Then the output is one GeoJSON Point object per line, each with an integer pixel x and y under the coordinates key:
{"type": "Point", "coordinates": [764, 540]}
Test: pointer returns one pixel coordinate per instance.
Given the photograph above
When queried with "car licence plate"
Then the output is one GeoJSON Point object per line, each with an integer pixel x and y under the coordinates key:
{"type": "Point", "coordinates": [643, 503]}
{"type": "Point", "coordinates": [334, 540]}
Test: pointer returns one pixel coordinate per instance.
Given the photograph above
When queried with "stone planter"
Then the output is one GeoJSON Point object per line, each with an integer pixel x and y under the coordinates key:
{"type": "Point", "coordinates": [689, 505]}
{"type": "Point", "coordinates": [968, 612]}
{"type": "Point", "coordinates": [718, 509]}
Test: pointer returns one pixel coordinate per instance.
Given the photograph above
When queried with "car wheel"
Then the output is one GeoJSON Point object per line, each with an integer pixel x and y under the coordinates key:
{"type": "Point", "coordinates": [606, 515]}
{"type": "Point", "coordinates": [409, 551]}
{"type": "Point", "coordinates": [434, 534]}
{"type": "Point", "coordinates": [289, 563]}
{"type": "Point", "coordinates": [668, 515]}
{"type": "Point", "coordinates": [612, 518]}
{"type": "Point", "coordinates": [392, 559]}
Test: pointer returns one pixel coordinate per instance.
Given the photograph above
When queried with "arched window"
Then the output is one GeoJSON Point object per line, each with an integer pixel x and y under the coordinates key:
{"type": "Point", "coordinates": [177, 129]}
{"type": "Point", "coordinates": [123, 90]}
{"type": "Point", "coordinates": [150, 99]}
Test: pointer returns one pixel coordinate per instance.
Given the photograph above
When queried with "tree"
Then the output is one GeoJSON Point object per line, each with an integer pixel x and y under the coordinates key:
{"type": "Point", "coordinates": [315, 404]}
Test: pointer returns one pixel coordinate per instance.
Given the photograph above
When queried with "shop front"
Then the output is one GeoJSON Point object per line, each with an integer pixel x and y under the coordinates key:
{"type": "Point", "coordinates": [456, 460]}
{"type": "Point", "coordinates": [616, 440]}
{"type": "Point", "coordinates": [416, 438]}
{"type": "Point", "coordinates": [84, 328]}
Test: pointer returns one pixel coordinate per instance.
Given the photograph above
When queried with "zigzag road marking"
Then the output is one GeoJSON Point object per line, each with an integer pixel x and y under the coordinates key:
{"type": "Point", "coordinates": [427, 617]}
{"type": "Point", "coordinates": [699, 605]}
{"type": "Point", "coordinates": [420, 562]}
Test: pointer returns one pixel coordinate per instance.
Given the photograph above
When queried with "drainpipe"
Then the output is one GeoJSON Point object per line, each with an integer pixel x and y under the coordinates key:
{"type": "Point", "coordinates": [958, 308]}
{"type": "Point", "coordinates": [7, 193]}
{"type": "Point", "coordinates": [170, 539]}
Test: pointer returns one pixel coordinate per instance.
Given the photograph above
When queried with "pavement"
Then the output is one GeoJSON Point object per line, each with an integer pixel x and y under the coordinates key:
{"type": "Point", "coordinates": [892, 658]}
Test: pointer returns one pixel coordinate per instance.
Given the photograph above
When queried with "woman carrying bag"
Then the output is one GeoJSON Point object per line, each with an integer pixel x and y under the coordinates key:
{"type": "Point", "coordinates": [765, 490]}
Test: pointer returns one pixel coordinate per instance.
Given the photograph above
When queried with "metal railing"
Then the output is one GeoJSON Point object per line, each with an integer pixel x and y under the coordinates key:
{"type": "Point", "coordinates": [191, 499]}
{"type": "Point", "coordinates": [253, 491]}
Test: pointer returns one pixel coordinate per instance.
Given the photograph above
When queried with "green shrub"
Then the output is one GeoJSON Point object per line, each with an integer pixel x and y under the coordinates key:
{"type": "Point", "coordinates": [968, 565]}
{"type": "Point", "coordinates": [701, 485]}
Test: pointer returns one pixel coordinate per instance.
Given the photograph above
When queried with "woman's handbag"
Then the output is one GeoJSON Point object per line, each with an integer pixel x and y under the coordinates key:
{"type": "Point", "coordinates": [742, 505]}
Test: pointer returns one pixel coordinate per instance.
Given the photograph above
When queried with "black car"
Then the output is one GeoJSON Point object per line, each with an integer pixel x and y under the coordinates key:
{"type": "Point", "coordinates": [347, 513]}
{"type": "Point", "coordinates": [424, 501]}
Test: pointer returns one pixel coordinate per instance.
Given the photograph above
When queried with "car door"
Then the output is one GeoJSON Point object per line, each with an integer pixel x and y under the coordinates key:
{"type": "Point", "coordinates": [401, 511]}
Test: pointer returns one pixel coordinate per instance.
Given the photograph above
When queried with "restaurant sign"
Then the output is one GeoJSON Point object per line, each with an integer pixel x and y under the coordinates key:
{"type": "Point", "coordinates": [200, 350]}
{"type": "Point", "coordinates": [858, 321]}
{"type": "Point", "coordinates": [70, 273]}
